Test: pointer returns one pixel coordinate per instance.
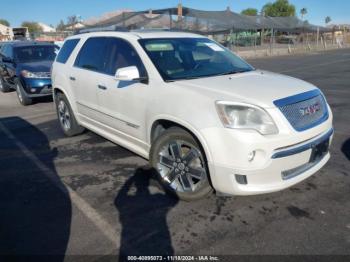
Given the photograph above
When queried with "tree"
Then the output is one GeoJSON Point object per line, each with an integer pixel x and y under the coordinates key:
{"type": "Point", "coordinates": [4, 22]}
{"type": "Point", "coordinates": [303, 12]}
{"type": "Point", "coordinates": [72, 20]}
{"type": "Point", "coordinates": [328, 19]}
{"type": "Point", "coordinates": [33, 27]}
{"type": "Point", "coordinates": [250, 12]}
{"type": "Point", "coordinates": [279, 8]}
{"type": "Point", "coordinates": [61, 26]}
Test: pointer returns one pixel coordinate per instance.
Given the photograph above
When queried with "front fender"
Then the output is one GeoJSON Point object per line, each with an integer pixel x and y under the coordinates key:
{"type": "Point", "coordinates": [182, 123]}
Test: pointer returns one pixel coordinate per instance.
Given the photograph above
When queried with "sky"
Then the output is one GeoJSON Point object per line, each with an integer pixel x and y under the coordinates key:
{"type": "Point", "coordinates": [50, 12]}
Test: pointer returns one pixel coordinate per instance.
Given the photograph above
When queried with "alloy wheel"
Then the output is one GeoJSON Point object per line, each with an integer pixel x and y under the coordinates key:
{"type": "Point", "coordinates": [64, 115]}
{"type": "Point", "coordinates": [181, 165]}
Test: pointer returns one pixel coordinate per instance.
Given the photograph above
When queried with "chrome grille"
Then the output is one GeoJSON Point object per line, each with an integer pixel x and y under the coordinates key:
{"type": "Point", "coordinates": [305, 114]}
{"type": "Point", "coordinates": [43, 74]}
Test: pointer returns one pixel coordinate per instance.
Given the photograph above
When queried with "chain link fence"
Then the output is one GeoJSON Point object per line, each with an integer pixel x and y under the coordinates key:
{"type": "Point", "coordinates": [248, 35]}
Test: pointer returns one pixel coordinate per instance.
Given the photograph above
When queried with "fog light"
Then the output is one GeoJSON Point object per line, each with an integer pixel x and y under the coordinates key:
{"type": "Point", "coordinates": [241, 179]}
{"type": "Point", "coordinates": [251, 156]}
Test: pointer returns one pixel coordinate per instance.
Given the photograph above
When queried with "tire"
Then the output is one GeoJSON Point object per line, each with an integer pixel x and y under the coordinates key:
{"type": "Point", "coordinates": [21, 95]}
{"type": "Point", "coordinates": [181, 164]}
{"type": "Point", "coordinates": [66, 118]}
{"type": "Point", "coordinates": [3, 87]}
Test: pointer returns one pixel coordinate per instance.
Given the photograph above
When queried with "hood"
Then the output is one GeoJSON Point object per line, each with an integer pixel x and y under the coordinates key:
{"type": "Point", "coordinates": [260, 88]}
{"type": "Point", "coordinates": [42, 66]}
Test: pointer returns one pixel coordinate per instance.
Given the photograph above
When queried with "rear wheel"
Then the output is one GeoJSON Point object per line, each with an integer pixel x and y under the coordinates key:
{"type": "Point", "coordinates": [22, 96]}
{"type": "Point", "coordinates": [3, 87]}
{"type": "Point", "coordinates": [66, 117]}
{"type": "Point", "coordinates": [181, 164]}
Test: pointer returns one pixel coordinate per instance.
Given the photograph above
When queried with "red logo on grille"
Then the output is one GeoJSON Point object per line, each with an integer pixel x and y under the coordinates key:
{"type": "Point", "coordinates": [310, 110]}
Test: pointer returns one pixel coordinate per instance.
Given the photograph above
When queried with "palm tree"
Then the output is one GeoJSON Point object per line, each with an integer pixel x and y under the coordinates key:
{"type": "Point", "coordinates": [328, 20]}
{"type": "Point", "coordinates": [303, 12]}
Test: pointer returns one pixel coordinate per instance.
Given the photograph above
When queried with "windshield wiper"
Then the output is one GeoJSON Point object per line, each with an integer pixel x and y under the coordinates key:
{"type": "Point", "coordinates": [196, 77]}
{"type": "Point", "coordinates": [234, 72]}
{"type": "Point", "coordinates": [185, 78]}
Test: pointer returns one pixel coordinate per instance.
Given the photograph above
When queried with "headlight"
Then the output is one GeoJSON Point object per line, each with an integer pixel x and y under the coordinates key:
{"type": "Point", "coordinates": [28, 74]}
{"type": "Point", "coordinates": [244, 116]}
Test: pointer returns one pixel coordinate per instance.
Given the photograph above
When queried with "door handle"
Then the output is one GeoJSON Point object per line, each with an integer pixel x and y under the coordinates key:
{"type": "Point", "coordinates": [72, 78]}
{"type": "Point", "coordinates": [102, 87]}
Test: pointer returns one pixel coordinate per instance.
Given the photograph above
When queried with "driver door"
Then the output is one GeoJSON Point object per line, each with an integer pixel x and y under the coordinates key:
{"type": "Point", "coordinates": [123, 104]}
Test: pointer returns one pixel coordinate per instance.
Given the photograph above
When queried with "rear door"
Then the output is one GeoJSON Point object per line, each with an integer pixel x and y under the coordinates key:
{"type": "Point", "coordinates": [85, 74]}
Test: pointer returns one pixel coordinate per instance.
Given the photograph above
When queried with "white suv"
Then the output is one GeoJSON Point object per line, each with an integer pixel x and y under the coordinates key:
{"type": "Point", "coordinates": [203, 117]}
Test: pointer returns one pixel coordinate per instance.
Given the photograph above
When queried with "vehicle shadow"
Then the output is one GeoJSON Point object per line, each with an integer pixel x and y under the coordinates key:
{"type": "Point", "coordinates": [35, 207]}
{"type": "Point", "coordinates": [346, 149]}
{"type": "Point", "coordinates": [143, 217]}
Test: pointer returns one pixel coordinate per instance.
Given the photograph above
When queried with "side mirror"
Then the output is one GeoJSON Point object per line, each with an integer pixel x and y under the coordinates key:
{"type": "Point", "coordinates": [130, 73]}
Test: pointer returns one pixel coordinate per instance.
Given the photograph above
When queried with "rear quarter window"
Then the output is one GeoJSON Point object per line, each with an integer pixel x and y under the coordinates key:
{"type": "Point", "coordinates": [66, 50]}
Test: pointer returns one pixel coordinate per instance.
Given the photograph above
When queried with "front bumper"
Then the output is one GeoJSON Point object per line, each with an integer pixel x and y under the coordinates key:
{"type": "Point", "coordinates": [280, 161]}
{"type": "Point", "coordinates": [37, 87]}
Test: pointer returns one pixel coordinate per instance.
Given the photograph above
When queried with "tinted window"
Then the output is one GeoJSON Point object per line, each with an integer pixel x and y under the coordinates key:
{"type": "Point", "coordinates": [92, 54]}
{"type": "Point", "coordinates": [122, 54]}
{"type": "Point", "coordinates": [67, 50]}
{"type": "Point", "coordinates": [189, 58]}
{"type": "Point", "coordinates": [29, 54]}
{"type": "Point", "coordinates": [6, 51]}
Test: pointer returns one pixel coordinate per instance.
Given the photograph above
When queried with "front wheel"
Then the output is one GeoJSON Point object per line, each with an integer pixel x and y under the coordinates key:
{"type": "Point", "coordinates": [181, 164]}
{"type": "Point", "coordinates": [21, 94]}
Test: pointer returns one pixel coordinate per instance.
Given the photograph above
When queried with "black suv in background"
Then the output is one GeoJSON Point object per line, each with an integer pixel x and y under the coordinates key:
{"type": "Point", "coordinates": [25, 67]}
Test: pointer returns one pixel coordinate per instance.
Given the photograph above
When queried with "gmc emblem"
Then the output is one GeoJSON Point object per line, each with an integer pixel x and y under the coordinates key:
{"type": "Point", "coordinates": [310, 110]}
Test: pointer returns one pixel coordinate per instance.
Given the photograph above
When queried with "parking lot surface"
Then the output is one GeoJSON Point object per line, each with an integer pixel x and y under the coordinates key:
{"type": "Point", "coordinates": [88, 196]}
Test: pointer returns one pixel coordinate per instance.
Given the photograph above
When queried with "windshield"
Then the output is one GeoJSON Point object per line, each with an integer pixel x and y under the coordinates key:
{"type": "Point", "coordinates": [189, 58]}
{"type": "Point", "coordinates": [29, 54]}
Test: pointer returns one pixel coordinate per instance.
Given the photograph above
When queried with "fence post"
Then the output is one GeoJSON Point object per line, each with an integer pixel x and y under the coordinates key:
{"type": "Point", "coordinates": [272, 40]}
{"type": "Point", "coordinates": [318, 35]}
{"type": "Point", "coordinates": [255, 35]}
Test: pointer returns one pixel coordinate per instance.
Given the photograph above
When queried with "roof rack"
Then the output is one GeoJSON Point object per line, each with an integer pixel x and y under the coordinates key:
{"type": "Point", "coordinates": [124, 29]}
{"type": "Point", "coordinates": [112, 28]}
{"type": "Point", "coordinates": [150, 30]}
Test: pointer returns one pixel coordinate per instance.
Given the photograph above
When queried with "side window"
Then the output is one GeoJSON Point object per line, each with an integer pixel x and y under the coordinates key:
{"type": "Point", "coordinates": [66, 50]}
{"type": "Point", "coordinates": [122, 54]}
{"type": "Point", "coordinates": [6, 50]}
{"type": "Point", "coordinates": [92, 54]}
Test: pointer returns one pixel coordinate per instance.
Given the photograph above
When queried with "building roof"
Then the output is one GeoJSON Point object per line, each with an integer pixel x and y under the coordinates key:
{"type": "Point", "coordinates": [46, 28]}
